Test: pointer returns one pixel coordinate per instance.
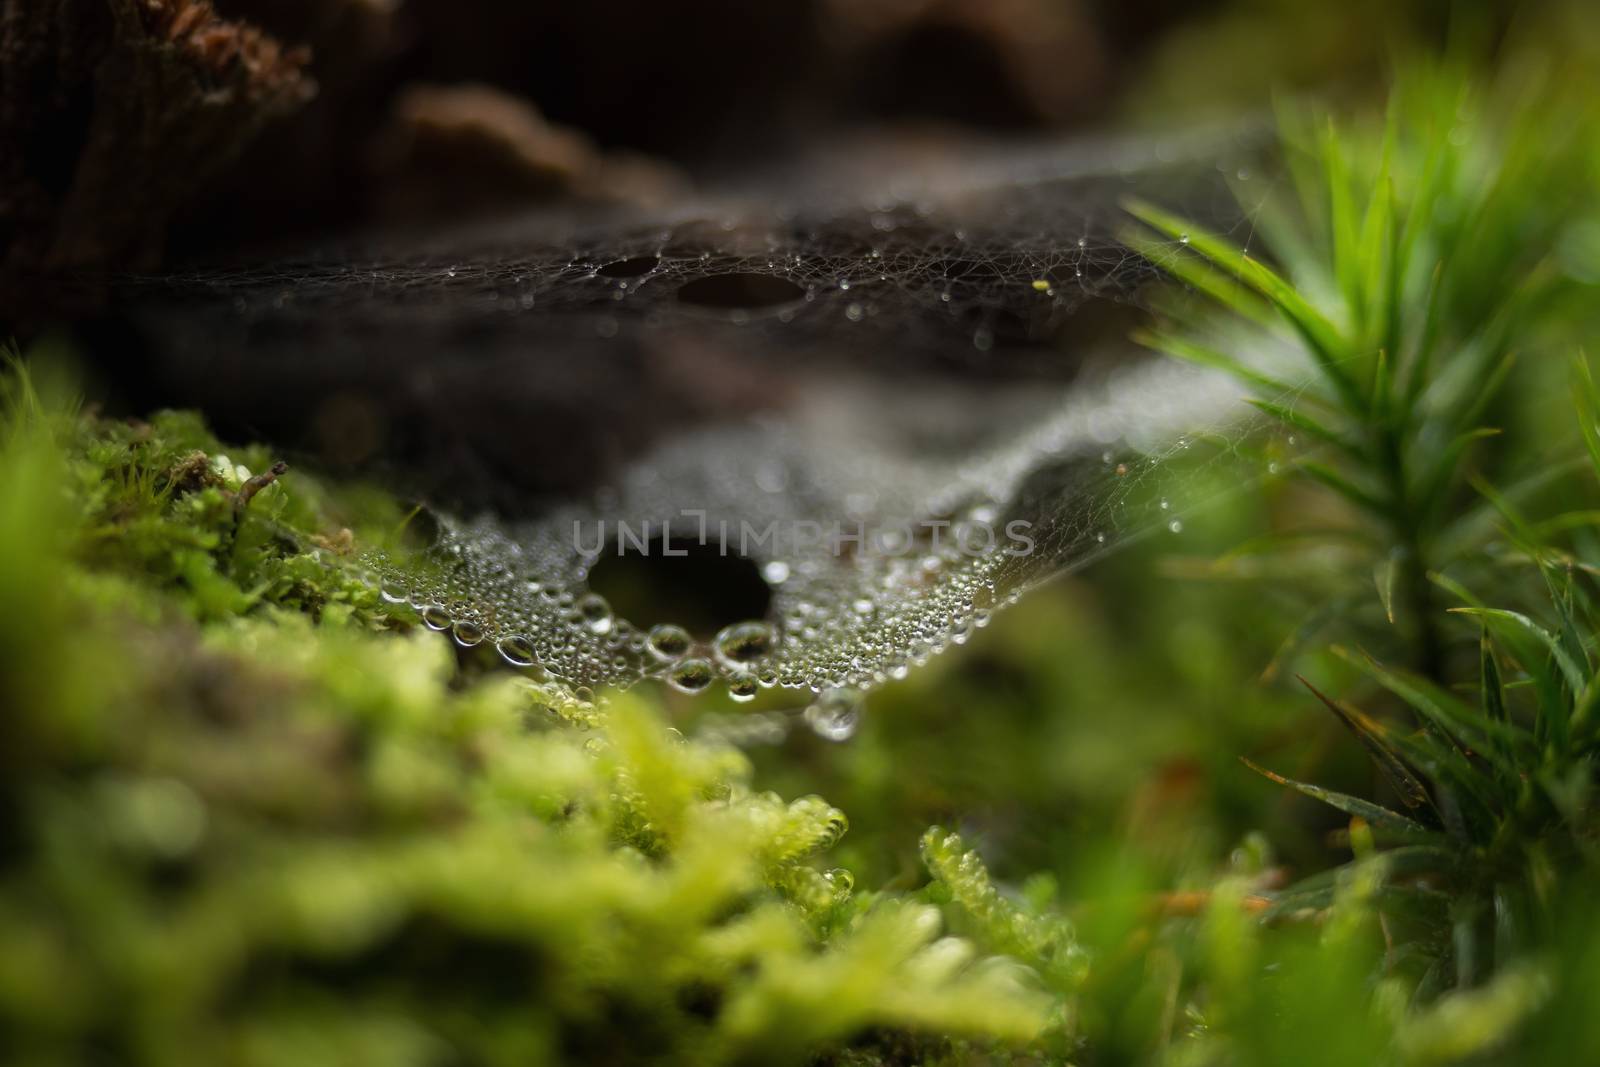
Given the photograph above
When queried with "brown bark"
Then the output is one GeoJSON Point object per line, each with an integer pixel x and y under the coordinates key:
{"type": "Point", "coordinates": [113, 113]}
{"type": "Point", "coordinates": [458, 151]}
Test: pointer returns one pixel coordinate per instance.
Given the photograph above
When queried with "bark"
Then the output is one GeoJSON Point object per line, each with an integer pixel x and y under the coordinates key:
{"type": "Point", "coordinates": [113, 113]}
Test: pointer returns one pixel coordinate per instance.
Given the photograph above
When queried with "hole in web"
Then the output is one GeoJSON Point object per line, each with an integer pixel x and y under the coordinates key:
{"type": "Point", "coordinates": [739, 291]}
{"type": "Point", "coordinates": [421, 530]}
{"type": "Point", "coordinates": [701, 590]}
{"type": "Point", "coordinates": [629, 268]}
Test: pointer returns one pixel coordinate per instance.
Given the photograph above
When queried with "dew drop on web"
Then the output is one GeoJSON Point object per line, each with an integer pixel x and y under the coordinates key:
{"type": "Point", "coordinates": [835, 715]}
{"type": "Point", "coordinates": [668, 642]}
{"type": "Point", "coordinates": [691, 675]}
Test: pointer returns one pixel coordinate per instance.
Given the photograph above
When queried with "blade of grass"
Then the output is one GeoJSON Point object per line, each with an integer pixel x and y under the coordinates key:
{"type": "Point", "coordinates": [1377, 815]}
{"type": "Point", "coordinates": [1322, 338]}
{"type": "Point", "coordinates": [1374, 738]}
{"type": "Point", "coordinates": [1205, 356]}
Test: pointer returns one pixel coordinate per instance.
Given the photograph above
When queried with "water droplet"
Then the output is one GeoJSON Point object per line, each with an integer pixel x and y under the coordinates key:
{"type": "Point", "coordinates": [467, 633]}
{"type": "Point", "coordinates": [743, 642]}
{"type": "Point", "coordinates": [835, 714]}
{"type": "Point", "coordinates": [595, 612]}
{"type": "Point", "coordinates": [434, 617]}
{"type": "Point", "coordinates": [1176, 526]}
{"type": "Point", "coordinates": [516, 650]}
{"type": "Point", "coordinates": [775, 572]}
{"type": "Point", "coordinates": [691, 675]}
{"type": "Point", "coordinates": [394, 591]}
{"type": "Point", "coordinates": [743, 687]}
{"type": "Point", "coordinates": [668, 642]}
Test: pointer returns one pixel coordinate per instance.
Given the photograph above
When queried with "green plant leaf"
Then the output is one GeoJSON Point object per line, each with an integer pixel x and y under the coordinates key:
{"type": "Point", "coordinates": [1203, 356]}
{"type": "Point", "coordinates": [1379, 817]}
{"type": "Point", "coordinates": [1297, 419]}
{"type": "Point", "coordinates": [1321, 336]}
{"type": "Point", "coordinates": [1525, 637]}
{"type": "Point", "coordinates": [1375, 739]}
{"type": "Point", "coordinates": [1466, 728]}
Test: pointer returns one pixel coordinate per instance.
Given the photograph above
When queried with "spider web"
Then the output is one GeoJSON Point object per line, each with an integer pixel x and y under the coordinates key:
{"type": "Point", "coordinates": [934, 365]}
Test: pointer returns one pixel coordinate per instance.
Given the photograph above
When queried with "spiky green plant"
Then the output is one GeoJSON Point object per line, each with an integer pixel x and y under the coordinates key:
{"type": "Point", "coordinates": [1474, 874]}
{"type": "Point", "coordinates": [1378, 312]}
{"type": "Point", "coordinates": [1414, 266]}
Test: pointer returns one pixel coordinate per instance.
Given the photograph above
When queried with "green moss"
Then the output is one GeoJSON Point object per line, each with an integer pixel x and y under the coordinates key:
{"type": "Point", "coordinates": [254, 815]}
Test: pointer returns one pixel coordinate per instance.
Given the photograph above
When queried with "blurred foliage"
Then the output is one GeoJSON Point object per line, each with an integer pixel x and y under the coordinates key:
{"type": "Point", "coordinates": [1234, 55]}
